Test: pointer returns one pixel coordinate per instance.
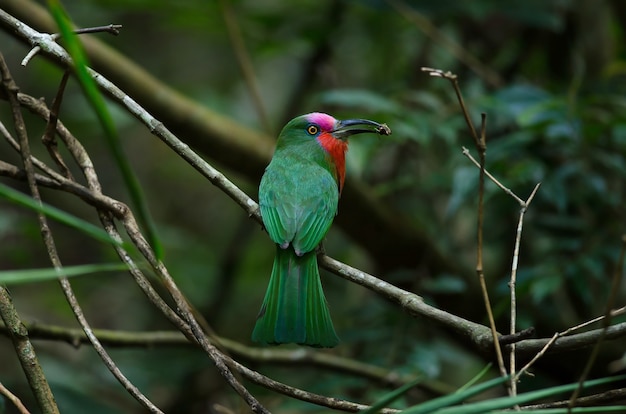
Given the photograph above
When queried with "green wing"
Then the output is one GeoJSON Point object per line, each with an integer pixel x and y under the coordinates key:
{"type": "Point", "coordinates": [298, 203]}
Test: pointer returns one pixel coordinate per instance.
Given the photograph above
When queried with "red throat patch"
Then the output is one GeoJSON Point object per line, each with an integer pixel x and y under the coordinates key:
{"type": "Point", "coordinates": [336, 148]}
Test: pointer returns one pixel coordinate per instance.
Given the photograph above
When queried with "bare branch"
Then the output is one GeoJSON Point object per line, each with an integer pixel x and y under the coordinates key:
{"type": "Point", "coordinates": [299, 357]}
{"type": "Point", "coordinates": [492, 178]}
{"type": "Point", "coordinates": [19, 335]}
{"type": "Point", "coordinates": [603, 398]}
{"type": "Point", "coordinates": [46, 233]}
{"type": "Point", "coordinates": [512, 285]}
{"type": "Point", "coordinates": [49, 136]}
{"type": "Point", "coordinates": [113, 29]}
{"type": "Point", "coordinates": [26, 354]}
{"type": "Point", "coordinates": [13, 398]}
{"type": "Point", "coordinates": [512, 282]}
{"type": "Point", "coordinates": [480, 142]}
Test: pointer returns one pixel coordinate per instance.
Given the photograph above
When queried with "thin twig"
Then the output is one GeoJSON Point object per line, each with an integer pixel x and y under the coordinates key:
{"type": "Point", "coordinates": [24, 349]}
{"type": "Point", "coordinates": [492, 178]}
{"type": "Point", "coordinates": [512, 285]}
{"type": "Point", "coordinates": [481, 146]}
{"type": "Point", "coordinates": [14, 399]}
{"type": "Point", "coordinates": [539, 354]}
{"type": "Point", "coordinates": [49, 136]}
{"type": "Point", "coordinates": [562, 341]}
{"type": "Point", "coordinates": [512, 282]}
{"type": "Point", "coordinates": [480, 142]}
{"type": "Point", "coordinates": [113, 29]}
{"type": "Point", "coordinates": [453, 78]}
{"type": "Point", "coordinates": [612, 314]}
{"type": "Point", "coordinates": [594, 400]}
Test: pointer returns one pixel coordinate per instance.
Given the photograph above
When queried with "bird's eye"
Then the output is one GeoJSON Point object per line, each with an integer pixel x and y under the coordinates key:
{"type": "Point", "coordinates": [312, 129]}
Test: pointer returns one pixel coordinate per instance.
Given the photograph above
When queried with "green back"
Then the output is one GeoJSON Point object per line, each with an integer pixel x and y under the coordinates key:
{"type": "Point", "coordinates": [298, 194]}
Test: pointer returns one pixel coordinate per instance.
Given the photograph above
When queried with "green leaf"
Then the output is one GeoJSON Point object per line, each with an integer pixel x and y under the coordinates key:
{"type": "Point", "coordinates": [611, 409]}
{"type": "Point", "coordinates": [391, 397]}
{"type": "Point", "coordinates": [506, 402]}
{"type": "Point", "coordinates": [455, 398]}
{"type": "Point", "coordinates": [8, 277]}
{"type": "Point", "coordinates": [75, 49]}
{"type": "Point", "coordinates": [59, 215]}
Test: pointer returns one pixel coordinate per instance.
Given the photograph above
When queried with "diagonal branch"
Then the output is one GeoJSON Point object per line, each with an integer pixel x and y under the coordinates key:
{"type": "Point", "coordinates": [46, 233]}
{"type": "Point", "coordinates": [14, 399]}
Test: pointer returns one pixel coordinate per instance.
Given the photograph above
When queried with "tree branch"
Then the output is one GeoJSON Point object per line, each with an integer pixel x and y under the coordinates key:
{"type": "Point", "coordinates": [48, 239]}
{"type": "Point", "coordinates": [14, 399]}
{"type": "Point", "coordinates": [299, 357]}
{"type": "Point", "coordinates": [26, 354]}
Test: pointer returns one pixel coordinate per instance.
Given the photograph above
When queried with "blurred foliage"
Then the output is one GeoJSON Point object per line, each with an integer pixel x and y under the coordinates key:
{"type": "Point", "coordinates": [557, 116]}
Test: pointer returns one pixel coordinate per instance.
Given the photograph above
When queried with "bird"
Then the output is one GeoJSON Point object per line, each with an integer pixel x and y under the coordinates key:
{"type": "Point", "coordinates": [298, 200]}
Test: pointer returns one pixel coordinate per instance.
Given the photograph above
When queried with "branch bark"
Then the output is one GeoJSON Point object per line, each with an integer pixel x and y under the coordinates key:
{"type": "Point", "coordinates": [26, 354]}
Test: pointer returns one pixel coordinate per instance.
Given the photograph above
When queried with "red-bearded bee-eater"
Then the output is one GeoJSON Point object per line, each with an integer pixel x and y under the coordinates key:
{"type": "Point", "coordinates": [298, 198]}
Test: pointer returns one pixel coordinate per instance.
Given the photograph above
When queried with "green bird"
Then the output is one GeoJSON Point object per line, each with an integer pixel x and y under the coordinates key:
{"type": "Point", "coordinates": [298, 198]}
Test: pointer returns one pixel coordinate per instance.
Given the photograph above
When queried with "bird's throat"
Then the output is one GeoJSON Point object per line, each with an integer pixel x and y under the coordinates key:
{"type": "Point", "coordinates": [336, 149]}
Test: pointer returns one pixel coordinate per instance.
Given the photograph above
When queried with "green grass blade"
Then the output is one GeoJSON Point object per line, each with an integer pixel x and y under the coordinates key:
{"type": "Point", "coordinates": [75, 49]}
{"type": "Point", "coordinates": [476, 378]}
{"type": "Point", "coordinates": [59, 215]}
{"type": "Point", "coordinates": [455, 398]}
{"type": "Point", "coordinates": [507, 402]}
{"type": "Point", "coordinates": [9, 277]}
{"type": "Point", "coordinates": [581, 410]}
{"type": "Point", "coordinates": [391, 397]}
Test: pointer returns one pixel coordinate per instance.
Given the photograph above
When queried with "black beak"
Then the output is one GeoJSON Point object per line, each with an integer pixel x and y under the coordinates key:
{"type": "Point", "coordinates": [349, 127]}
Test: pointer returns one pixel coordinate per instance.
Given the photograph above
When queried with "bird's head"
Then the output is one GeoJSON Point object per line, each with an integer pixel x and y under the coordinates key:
{"type": "Point", "coordinates": [331, 134]}
{"type": "Point", "coordinates": [317, 124]}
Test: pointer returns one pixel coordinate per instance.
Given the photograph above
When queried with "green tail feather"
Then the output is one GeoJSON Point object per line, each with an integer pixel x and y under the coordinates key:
{"type": "Point", "coordinates": [294, 308]}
